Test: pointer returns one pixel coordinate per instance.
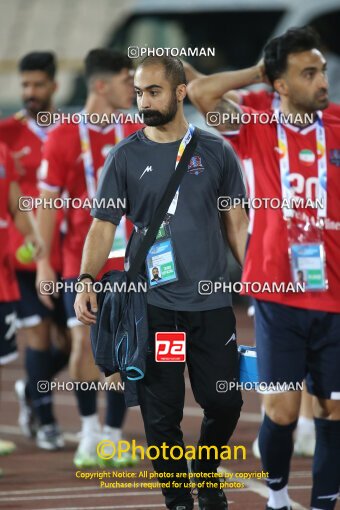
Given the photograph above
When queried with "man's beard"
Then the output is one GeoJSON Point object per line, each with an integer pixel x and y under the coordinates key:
{"type": "Point", "coordinates": [157, 118]}
{"type": "Point", "coordinates": [37, 106]}
{"type": "Point", "coordinates": [322, 99]}
{"type": "Point", "coordinates": [319, 101]}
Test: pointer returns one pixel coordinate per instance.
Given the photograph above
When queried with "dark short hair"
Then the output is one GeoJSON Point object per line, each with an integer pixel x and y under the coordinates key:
{"type": "Point", "coordinates": [105, 60]}
{"type": "Point", "coordinates": [173, 68]}
{"type": "Point", "coordinates": [276, 51]}
{"type": "Point", "coordinates": [39, 61]}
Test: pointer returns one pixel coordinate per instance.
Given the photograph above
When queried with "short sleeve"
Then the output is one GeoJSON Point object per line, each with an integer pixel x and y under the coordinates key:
{"type": "Point", "coordinates": [232, 184]}
{"type": "Point", "coordinates": [53, 168]}
{"type": "Point", "coordinates": [241, 140]}
{"type": "Point", "coordinates": [110, 202]}
{"type": "Point", "coordinates": [258, 100]}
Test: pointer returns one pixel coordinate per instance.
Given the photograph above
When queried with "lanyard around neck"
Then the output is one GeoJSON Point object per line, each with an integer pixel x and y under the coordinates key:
{"type": "Point", "coordinates": [39, 131]}
{"type": "Point", "coordinates": [287, 194]}
{"type": "Point", "coordinates": [184, 142]}
{"type": "Point", "coordinates": [85, 145]}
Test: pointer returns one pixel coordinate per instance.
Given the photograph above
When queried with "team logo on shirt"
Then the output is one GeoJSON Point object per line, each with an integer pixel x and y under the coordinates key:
{"type": "Point", "coordinates": [334, 157]}
{"type": "Point", "coordinates": [195, 166]}
{"type": "Point", "coordinates": [307, 157]}
{"type": "Point", "coordinates": [147, 169]}
{"type": "Point", "coordinates": [2, 172]}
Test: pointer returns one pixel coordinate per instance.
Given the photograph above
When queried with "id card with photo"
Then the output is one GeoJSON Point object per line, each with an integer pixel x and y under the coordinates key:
{"type": "Point", "coordinates": [308, 265]}
{"type": "Point", "coordinates": [160, 263]}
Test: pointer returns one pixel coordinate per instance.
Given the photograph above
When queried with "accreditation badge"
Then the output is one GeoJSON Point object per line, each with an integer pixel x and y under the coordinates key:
{"type": "Point", "coordinates": [307, 253]}
{"type": "Point", "coordinates": [160, 261]}
{"type": "Point", "coordinates": [308, 265]}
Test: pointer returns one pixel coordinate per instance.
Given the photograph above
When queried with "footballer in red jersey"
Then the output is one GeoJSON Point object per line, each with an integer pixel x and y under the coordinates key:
{"type": "Point", "coordinates": [38, 324]}
{"type": "Point", "coordinates": [297, 333]}
{"type": "Point", "coordinates": [206, 92]}
{"type": "Point", "coordinates": [25, 139]}
{"type": "Point", "coordinates": [266, 258]}
{"type": "Point", "coordinates": [63, 169]}
{"type": "Point", "coordinates": [72, 161]}
{"type": "Point", "coordinates": [9, 290]}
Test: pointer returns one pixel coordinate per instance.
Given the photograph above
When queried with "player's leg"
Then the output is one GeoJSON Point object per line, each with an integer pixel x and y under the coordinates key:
{"type": "Point", "coordinates": [115, 415]}
{"type": "Point", "coordinates": [304, 443]}
{"type": "Point", "coordinates": [161, 397]}
{"type": "Point", "coordinates": [324, 382]}
{"type": "Point", "coordinates": [83, 369]}
{"type": "Point", "coordinates": [38, 391]}
{"type": "Point", "coordinates": [281, 353]}
{"type": "Point", "coordinates": [276, 443]}
{"type": "Point", "coordinates": [35, 397]}
{"type": "Point", "coordinates": [326, 462]}
{"type": "Point", "coordinates": [255, 445]}
{"type": "Point", "coordinates": [112, 430]}
{"type": "Point", "coordinates": [60, 346]}
{"type": "Point", "coordinates": [60, 342]}
{"type": "Point", "coordinates": [213, 364]}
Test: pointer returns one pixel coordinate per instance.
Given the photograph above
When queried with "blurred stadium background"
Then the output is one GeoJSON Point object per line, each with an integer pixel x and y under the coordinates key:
{"type": "Point", "coordinates": [70, 28]}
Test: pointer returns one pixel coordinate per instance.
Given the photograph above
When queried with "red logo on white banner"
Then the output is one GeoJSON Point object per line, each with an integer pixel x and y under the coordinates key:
{"type": "Point", "coordinates": [170, 346]}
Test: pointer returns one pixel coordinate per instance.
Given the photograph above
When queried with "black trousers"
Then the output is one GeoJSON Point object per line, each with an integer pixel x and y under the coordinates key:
{"type": "Point", "coordinates": [211, 356]}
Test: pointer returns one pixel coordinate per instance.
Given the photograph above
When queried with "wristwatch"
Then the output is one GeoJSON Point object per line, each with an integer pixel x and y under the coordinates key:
{"type": "Point", "coordinates": [85, 275]}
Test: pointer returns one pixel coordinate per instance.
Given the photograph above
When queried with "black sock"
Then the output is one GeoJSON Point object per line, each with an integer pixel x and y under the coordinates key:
{"type": "Point", "coordinates": [59, 360]}
{"type": "Point", "coordinates": [38, 367]}
{"type": "Point", "coordinates": [276, 447]}
{"type": "Point", "coordinates": [87, 400]}
{"type": "Point", "coordinates": [326, 464]}
{"type": "Point", "coordinates": [115, 409]}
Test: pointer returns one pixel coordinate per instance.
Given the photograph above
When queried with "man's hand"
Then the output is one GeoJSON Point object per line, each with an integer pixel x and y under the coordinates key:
{"type": "Point", "coordinates": [38, 245]}
{"type": "Point", "coordinates": [46, 279]}
{"type": "Point", "coordinates": [262, 77]}
{"type": "Point", "coordinates": [190, 72]}
{"type": "Point", "coordinates": [85, 304]}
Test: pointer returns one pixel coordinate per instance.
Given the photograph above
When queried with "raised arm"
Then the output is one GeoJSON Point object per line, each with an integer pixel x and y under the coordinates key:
{"type": "Point", "coordinates": [216, 93]}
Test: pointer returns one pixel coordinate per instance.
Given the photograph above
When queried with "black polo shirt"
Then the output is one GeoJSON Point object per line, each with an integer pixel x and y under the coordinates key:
{"type": "Point", "coordinates": [138, 170]}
